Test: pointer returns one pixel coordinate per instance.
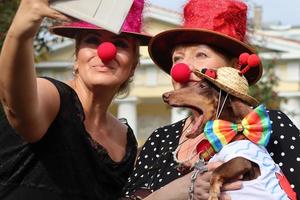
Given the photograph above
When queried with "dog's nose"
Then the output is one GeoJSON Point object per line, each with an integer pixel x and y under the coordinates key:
{"type": "Point", "coordinates": [166, 96]}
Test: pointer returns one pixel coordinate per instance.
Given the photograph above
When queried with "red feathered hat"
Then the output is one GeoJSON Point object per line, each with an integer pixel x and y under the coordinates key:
{"type": "Point", "coordinates": [220, 23]}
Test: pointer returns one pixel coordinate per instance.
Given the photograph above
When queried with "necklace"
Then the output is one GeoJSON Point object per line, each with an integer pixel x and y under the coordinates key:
{"type": "Point", "coordinates": [193, 151]}
{"type": "Point", "coordinates": [187, 131]}
{"type": "Point", "coordinates": [191, 155]}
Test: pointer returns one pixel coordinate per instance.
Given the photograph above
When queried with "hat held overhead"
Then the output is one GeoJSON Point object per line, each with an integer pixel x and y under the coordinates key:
{"type": "Point", "coordinates": [132, 25]}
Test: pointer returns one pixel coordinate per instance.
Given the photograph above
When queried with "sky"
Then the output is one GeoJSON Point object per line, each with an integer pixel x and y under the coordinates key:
{"type": "Point", "coordinates": [285, 12]}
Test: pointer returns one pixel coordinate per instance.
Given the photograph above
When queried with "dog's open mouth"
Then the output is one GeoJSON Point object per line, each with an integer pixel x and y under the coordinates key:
{"type": "Point", "coordinates": [196, 129]}
{"type": "Point", "coordinates": [196, 98]}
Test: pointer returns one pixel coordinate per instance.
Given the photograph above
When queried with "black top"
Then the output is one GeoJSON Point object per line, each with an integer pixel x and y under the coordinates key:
{"type": "Point", "coordinates": [156, 167]}
{"type": "Point", "coordinates": [66, 163]}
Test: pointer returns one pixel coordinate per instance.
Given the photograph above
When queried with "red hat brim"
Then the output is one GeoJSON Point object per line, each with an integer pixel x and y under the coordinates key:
{"type": "Point", "coordinates": [71, 32]}
{"type": "Point", "coordinates": [162, 45]}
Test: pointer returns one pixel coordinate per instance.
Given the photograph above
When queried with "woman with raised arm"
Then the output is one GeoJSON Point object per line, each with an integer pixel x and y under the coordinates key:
{"type": "Point", "coordinates": [58, 140]}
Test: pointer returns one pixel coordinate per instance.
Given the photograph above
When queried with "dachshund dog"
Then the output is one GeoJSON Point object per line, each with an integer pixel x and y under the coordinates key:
{"type": "Point", "coordinates": [203, 97]}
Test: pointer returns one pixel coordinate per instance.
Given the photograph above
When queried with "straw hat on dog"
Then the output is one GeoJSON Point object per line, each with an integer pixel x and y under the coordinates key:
{"type": "Point", "coordinates": [229, 80]}
{"type": "Point", "coordinates": [220, 23]}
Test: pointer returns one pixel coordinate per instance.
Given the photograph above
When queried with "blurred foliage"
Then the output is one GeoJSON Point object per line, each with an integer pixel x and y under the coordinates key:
{"type": "Point", "coordinates": [8, 9]}
{"type": "Point", "coordinates": [7, 12]}
{"type": "Point", "coordinates": [264, 91]}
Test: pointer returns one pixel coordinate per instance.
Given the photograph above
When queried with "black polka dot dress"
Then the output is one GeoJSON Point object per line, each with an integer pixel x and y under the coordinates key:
{"type": "Point", "coordinates": [284, 147]}
{"type": "Point", "coordinates": [155, 167]}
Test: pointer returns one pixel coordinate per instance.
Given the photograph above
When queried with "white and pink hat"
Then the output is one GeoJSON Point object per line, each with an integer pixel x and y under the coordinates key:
{"type": "Point", "coordinates": [132, 25]}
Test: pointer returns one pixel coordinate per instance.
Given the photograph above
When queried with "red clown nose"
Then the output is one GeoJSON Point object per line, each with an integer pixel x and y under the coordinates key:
{"type": "Point", "coordinates": [181, 73]}
{"type": "Point", "coordinates": [107, 51]}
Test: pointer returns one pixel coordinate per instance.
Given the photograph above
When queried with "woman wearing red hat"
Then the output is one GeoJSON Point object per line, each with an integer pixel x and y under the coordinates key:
{"type": "Point", "coordinates": [58, 140]}
{"type": "Point", "coordinates": [213, 36]}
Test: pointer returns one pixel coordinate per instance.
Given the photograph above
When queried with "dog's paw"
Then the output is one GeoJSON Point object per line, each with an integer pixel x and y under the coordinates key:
{"type": "Point", "coordinates": [213, 196]}
{"type": "Point", "coordinates": [215, 188]}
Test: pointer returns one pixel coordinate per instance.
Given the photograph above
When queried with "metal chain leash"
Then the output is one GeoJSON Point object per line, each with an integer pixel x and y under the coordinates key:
{"type": "Point", "coordinates": [199, 168]}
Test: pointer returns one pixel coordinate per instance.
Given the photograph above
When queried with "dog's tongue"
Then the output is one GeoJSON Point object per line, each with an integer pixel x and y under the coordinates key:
{"type": "Point", "coordinates": [194, 131]}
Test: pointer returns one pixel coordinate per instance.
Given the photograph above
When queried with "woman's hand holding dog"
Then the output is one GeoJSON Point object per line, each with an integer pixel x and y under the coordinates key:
{"type": "Point", "coordinates": [202, 184]}
{"type": "Point", "coordinates": [179, 188]}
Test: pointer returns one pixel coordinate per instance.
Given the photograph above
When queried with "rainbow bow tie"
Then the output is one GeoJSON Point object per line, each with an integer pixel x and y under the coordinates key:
{"type": "Point", "coordinates": [256, 126]}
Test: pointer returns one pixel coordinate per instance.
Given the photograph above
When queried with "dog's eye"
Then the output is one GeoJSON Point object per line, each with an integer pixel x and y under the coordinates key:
{"type": "Point", "coordinates": [203, 84]}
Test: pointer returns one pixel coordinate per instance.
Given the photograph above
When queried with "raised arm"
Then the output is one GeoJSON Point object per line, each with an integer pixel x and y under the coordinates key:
{"type": "Point", "coordinates": [30, 104]}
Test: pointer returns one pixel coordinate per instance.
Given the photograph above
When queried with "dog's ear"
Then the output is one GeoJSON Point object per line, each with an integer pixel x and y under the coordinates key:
{"type": "Point", "coordinates": [239, 108]}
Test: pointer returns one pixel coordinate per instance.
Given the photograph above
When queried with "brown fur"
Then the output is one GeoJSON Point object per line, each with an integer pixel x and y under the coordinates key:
{"type": "Point", "coordinates": [203, 97]}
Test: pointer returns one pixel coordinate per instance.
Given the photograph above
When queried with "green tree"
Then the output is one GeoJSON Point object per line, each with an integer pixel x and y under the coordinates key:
{"type": "Point", "coordinates": [7, 11]}
{"type": "Point", "coordinates": [265, 90]}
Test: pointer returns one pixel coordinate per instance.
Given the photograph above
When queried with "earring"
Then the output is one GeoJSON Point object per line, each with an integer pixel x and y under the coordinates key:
{"type": "Point", "coordinates": [75, 71]}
